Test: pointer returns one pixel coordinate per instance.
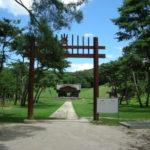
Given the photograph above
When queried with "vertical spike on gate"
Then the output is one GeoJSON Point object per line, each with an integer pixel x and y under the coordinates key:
{"type": "Point", "coordinates": [77, 44]}
{"type": "Point", "coordinates": [88, 45]}
{"type": "Point", "coordinates": [66, 37]}
{"type": "Point", "coordinates": [83, 43]}
{"type": "Point", "coordinates": [72, 42]}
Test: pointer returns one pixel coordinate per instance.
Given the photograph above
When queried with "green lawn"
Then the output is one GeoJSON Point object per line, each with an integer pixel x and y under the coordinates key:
{"type": "Point", "coordinates": [84, 108]}
{"type": "Point", "coordinates": [46, 106]}
{"type": "Point", "coordinates": [87, 93]}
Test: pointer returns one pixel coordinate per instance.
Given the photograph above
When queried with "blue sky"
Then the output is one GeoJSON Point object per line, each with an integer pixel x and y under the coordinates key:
{"type": "Point", "coordinates": [96, 22]}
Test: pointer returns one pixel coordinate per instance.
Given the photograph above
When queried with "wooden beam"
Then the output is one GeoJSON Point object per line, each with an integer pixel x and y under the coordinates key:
{"type": "Point", "coordinates": [84, 55]}
{"type": "Point", "coordinates": [81, 47]}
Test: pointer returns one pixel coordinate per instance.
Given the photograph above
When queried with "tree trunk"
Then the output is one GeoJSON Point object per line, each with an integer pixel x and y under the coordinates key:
{"type": "Point", "coordinates": [148, 88]}
{"type": "Point", "coordinates": [24, 97]}
{"type": "Point", "coordinates": [3, 55]}
{"type": "Point", "coordinates": [126, 97]}
{"type": "Point", "coordinates": [137, 90]}
{"type": "Point", "coordinates": [148, 77]}
{"type": "Point", "coordinates": [39, 95]}
{"type": "Point", "coordinates": [121, 99]}
{"type": "Point", "coordinates": [3, 97]}
{"type": "Point", "coordinates": [147, 100]}
{"type": "Point", "coordinates": [122, 96]}
{"type": "Point", "coordinates": [16, 94]}
{"type": "Point", "coordinates": [16, 98]}
{"type": "Point", "coordinates": [36, 95]}
{"type": "Point", "coordinates": [115, 91]}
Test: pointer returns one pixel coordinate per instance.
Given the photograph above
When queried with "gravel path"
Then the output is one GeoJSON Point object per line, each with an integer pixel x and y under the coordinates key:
{"type": "Point", "coordinates": [71, 134]}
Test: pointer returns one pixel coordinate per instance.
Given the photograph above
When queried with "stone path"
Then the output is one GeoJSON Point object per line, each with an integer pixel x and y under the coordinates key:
{"type": "Point", "coordinates": [66, 111]}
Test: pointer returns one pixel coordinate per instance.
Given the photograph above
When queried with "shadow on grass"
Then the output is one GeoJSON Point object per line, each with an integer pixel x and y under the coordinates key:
{"type": "Point", "coordinates": [41, 105]}
{"type": "Point", "coordinates": [11, 118]}
{"type": "Point", "coordinates": [9, 133]}
{"type": "Point", "coordinates": [2, 147]}
{"type": "Point", "coordinates": [45, 106]}
{"type": "Point", "coordinates": [91, 103]}
{"type": "Point", "coordinates": [134, 108]}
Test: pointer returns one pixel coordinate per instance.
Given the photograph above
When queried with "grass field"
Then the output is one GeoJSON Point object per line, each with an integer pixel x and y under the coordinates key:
{"type": "Point", "coordinates": [46, 106]}
{"type": "Point", "coordinates": [132, 111]}
{"type": "Point", "coordinates": [84, 108]}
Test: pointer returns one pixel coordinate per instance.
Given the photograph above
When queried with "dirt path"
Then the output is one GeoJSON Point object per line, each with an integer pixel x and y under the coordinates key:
{"type": "Point", "coordinates": [69, 135]}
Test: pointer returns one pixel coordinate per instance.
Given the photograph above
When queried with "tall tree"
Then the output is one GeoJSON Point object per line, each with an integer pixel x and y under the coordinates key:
{"type": "Point", "coordinates": [56, 12]}
{"type": "Point", "coordinates": [20, 71]}
{"type": "Point", "coordinates": [8, 31]}
{"type": "Point", "coordinates": [134, 25]}
{"type": "Point", "coordinates": [46, 17]}
{"type": "Point", "coordinates": [7, 84]}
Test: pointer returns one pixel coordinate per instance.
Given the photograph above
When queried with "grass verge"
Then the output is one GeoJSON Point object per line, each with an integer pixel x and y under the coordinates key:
{"type": "Point", "coordinates": [110, 122]}
{"type": "Point", "coordinates": [45, 107]}
{"type": "Point", "coordinates": [84, 108]}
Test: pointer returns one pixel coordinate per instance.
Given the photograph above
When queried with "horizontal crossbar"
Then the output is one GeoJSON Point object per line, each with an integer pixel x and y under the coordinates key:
{"type": "Point", "coordinates": [84, 55]}
{"type": "Point", "coordinates": [77, 55]}
{"type": "Point", "coordinates": [81, 47]}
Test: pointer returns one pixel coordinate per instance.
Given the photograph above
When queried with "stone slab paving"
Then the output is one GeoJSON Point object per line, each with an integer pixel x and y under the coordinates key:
{"type": "Point", "coordinates": [66, 111]}
{"type": "Point", "coordinates": [136, 125]}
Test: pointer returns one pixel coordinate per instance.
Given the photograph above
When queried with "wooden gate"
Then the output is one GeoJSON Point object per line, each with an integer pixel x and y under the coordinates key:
{"type": "Point", "coordinates": [72, 51]}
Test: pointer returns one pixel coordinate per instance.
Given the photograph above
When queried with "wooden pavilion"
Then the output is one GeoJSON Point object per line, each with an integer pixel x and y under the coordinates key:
{"type": "Point", "coordinates": [68, 90]}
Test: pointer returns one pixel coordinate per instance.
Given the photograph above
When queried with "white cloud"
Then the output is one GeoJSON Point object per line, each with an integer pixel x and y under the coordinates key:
{"type": "Point", "coordinates": [15, 8]}
{"type": "Point", "coordinates": [79, 67]}
{"type": "Point", "coordinates": [120, 48]}
{"type": "Point", "coordinates": [74, 1]}
{"type": "Point", "coordinates": [69, 1]}
{"type": "Point", "coordinates": [88, 35]}
{"type": "Point", "coordinates": [110, 56]}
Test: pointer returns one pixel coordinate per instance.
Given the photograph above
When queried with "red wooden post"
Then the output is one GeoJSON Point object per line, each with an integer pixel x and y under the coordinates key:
{"type": "Point", "coordinates": [31, 79]}
{"type": "Point", "coordinates": [96, 79]}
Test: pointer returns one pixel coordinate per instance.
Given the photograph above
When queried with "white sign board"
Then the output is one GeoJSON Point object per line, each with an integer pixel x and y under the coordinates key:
{"type": "Point", "coordinates": [107, 105]}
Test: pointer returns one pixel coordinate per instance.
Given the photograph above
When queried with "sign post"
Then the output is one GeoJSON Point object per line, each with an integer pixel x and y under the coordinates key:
{"type": "Point", "coordinates": [109, 105]}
